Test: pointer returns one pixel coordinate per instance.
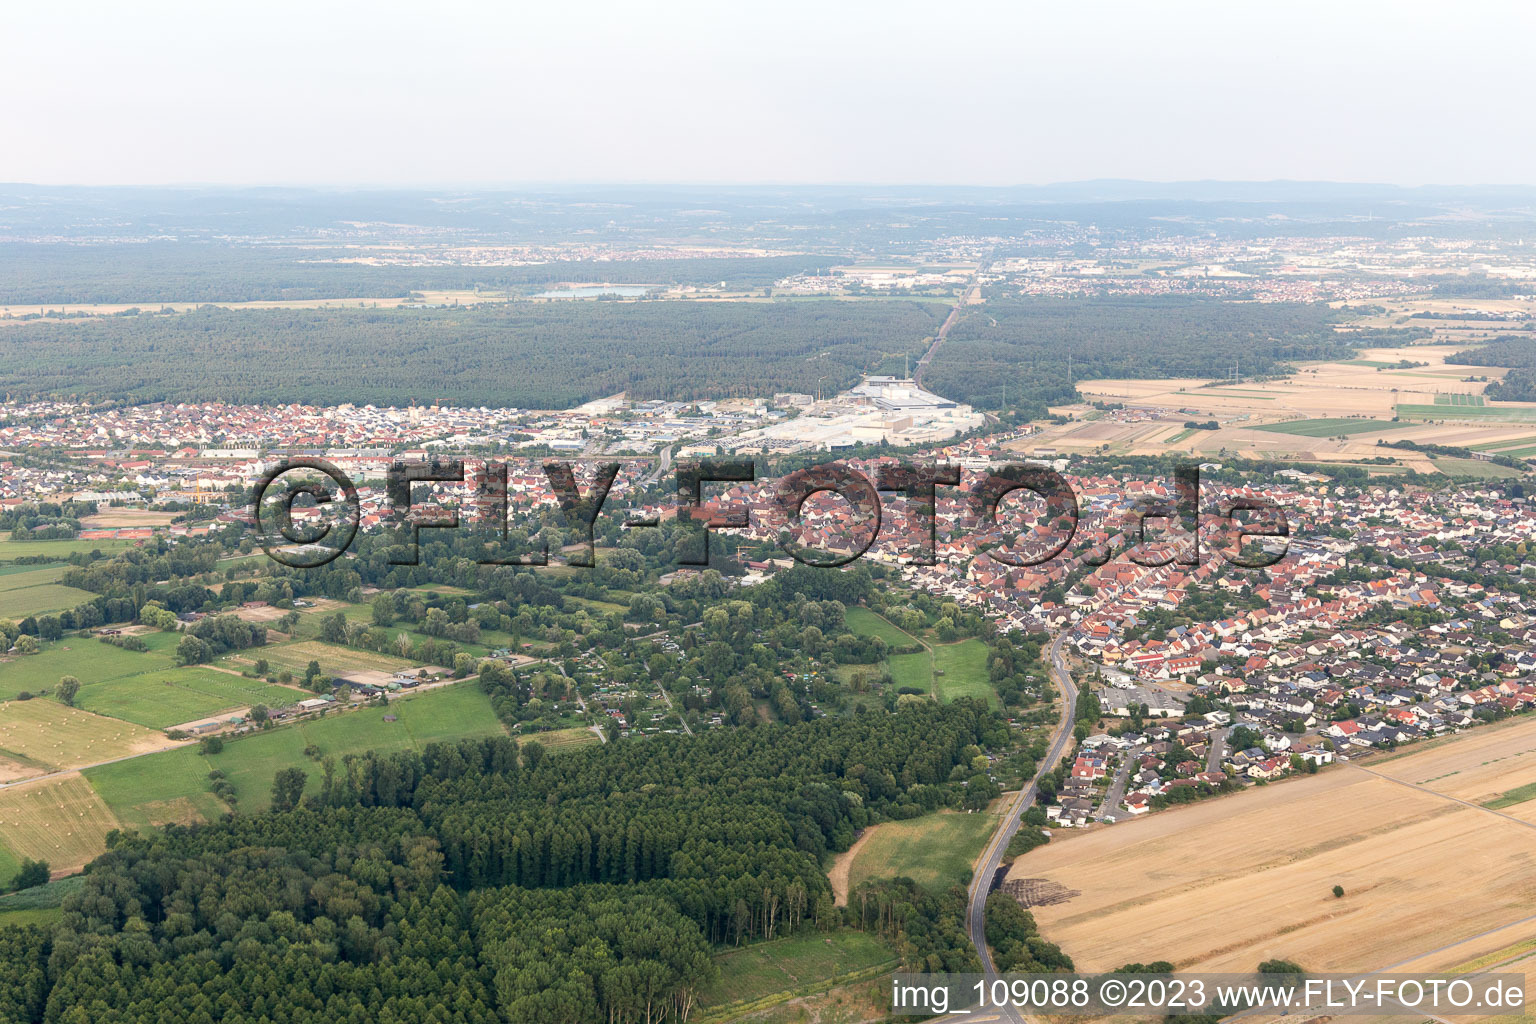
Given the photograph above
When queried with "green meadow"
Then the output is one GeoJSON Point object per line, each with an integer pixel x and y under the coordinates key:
{"type": "Point", "coordinates": [85, 658]}
{"type": "Point", "coordinates": [1476, 414]}
{"type": "Point", "coordinates": [167, 697]}
{"type": "Point", "coordinates": [454, 712]}
{"type": "Point", "coordinates": [1328, 427]}
{"type": "Point", "coordinates": [960, 670]}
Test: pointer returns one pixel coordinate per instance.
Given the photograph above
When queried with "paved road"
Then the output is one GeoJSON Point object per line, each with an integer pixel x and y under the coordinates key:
{"type": "Point", "coordinates": [662, 465]}
{"type": "Point", "coordinates": [991, 858]}
{"type": "Point", "coordinates": [1218, 749]}
{"type": "Point", "coordinates": [971, 292]}
{"type": "Point", "coordinates": [1111, 808]}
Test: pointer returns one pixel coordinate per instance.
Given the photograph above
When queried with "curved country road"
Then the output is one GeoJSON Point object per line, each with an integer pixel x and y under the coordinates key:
{"type": "Point", "coordinates": [992, 856]}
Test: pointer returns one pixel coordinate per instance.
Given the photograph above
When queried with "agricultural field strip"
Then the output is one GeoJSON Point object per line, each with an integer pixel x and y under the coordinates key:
{"type": "Point", "coordinates": [1495, 446]}
{"type": "Point", "coordinates": [48, 733]}
{"type": "Point", "coordinates": [1446, 796]}
{"type": "Point", "coordinates": [1327, 427]}
{"type": "Point", "coordinates": [1488, 413]}
{"type": "Point", "coordinates": [1383, 848]}
{"type": "Point", "coordinates": [60, 820]}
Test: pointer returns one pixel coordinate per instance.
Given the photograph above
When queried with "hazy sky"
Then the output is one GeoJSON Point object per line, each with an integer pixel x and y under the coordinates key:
{"type": "Point", "coordinates": [938, 92]}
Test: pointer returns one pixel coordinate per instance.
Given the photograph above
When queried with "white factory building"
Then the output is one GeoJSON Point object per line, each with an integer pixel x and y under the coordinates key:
{"type": "Point", "coordinates": [893, 410]}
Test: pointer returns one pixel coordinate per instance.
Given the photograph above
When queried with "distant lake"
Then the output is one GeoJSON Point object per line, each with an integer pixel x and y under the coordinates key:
{"type": "Point", "coordinates": [624, 291]}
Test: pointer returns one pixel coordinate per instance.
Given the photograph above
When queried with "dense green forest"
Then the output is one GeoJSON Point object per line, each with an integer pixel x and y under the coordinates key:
{"type": "Point", "coordinates": [52, 275]}
{"type": "Point", "coordinates": [532, 355]}
{"type": "Point", "coordinates": [1022, 345]}
{"type": "Point", "coordinates": [1474, 286]}
{"type": "Point", "coordinates": [1515, 351]}
{"type": "Point", "coordinates": [480, 881]}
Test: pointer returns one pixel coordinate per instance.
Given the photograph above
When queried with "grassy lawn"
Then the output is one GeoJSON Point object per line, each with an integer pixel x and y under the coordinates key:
{"type": "Point", "coordinates": [88, 660]}
{"type": "Point", "coordinates": [912, 670]}
{"type": "Point", "coordinates": [30, 575]}
{"type": "Point", "coordinates": [864, 622]}
{"type": "Point", "coordinates": [173, 786]}
{"type": "Point", "coordinates": [1329, 427]}
{"type": "Point", "coordinates": [561, 739]}
{"type": "Point", "coordinates": [1473, 467]}
{"type": "Point", "coordinates": [784, 965]}
{"type": "Point", "coordinates": [41, 905]}
{"type": "Point", "coordinates": [12, 568]}
{"type": "Point", "coordinates": [170, 697]}
{"type": "Point", "coordinates": [9, 862]}
{"type": "Point", "coordinates": [936, 850]}
{"type": "Point", "coordinates": [43, 917]}
{"type": "Point", "coordinates": [598, 607]}
{"type": "Point", "coordinates": [964, 671]}
{"type": "Point", "coordinates": [1495, 446]}
{"type": "Point", "coordinates": [946, 670]}
{"type": "Point", "coordinates": [309, 627]}
{"type": "Point", "coordinates": [41, 896]}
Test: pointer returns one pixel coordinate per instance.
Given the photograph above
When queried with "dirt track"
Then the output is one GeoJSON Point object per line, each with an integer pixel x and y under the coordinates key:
{"type": "Point", "coordinates": [842, 865]}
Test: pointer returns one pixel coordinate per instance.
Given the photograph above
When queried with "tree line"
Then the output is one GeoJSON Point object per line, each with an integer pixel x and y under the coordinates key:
{"type": "Point", "coordinates": [52, 275]}
{"type": "Point", "coordinates": [1515, 351]}
{"type": "Point", "coordinates": [526, 355]}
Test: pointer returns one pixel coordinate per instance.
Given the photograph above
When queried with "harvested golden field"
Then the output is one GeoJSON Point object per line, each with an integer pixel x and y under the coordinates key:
{"type": "Point", "coordinates": [1233, 881]}
{"type": "Point", "coordinates": [1299, 417]}
{"type": "Point", "coordinates": [120, 517]}
{"type": "Point", "coordinates": [333, 659]}
{"type": "Point", "coordinates": [1478, 766]}
{"type": "Point", "coordinates": [59, 820]}
{"type": "Point", "coordinates": [38, 736]}
{"type": "Point", "coordinates": [1370, 384]}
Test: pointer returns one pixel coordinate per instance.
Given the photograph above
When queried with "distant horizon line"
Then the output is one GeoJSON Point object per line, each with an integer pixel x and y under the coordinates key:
{"type": "Point", "coordinates": [762, 185]}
